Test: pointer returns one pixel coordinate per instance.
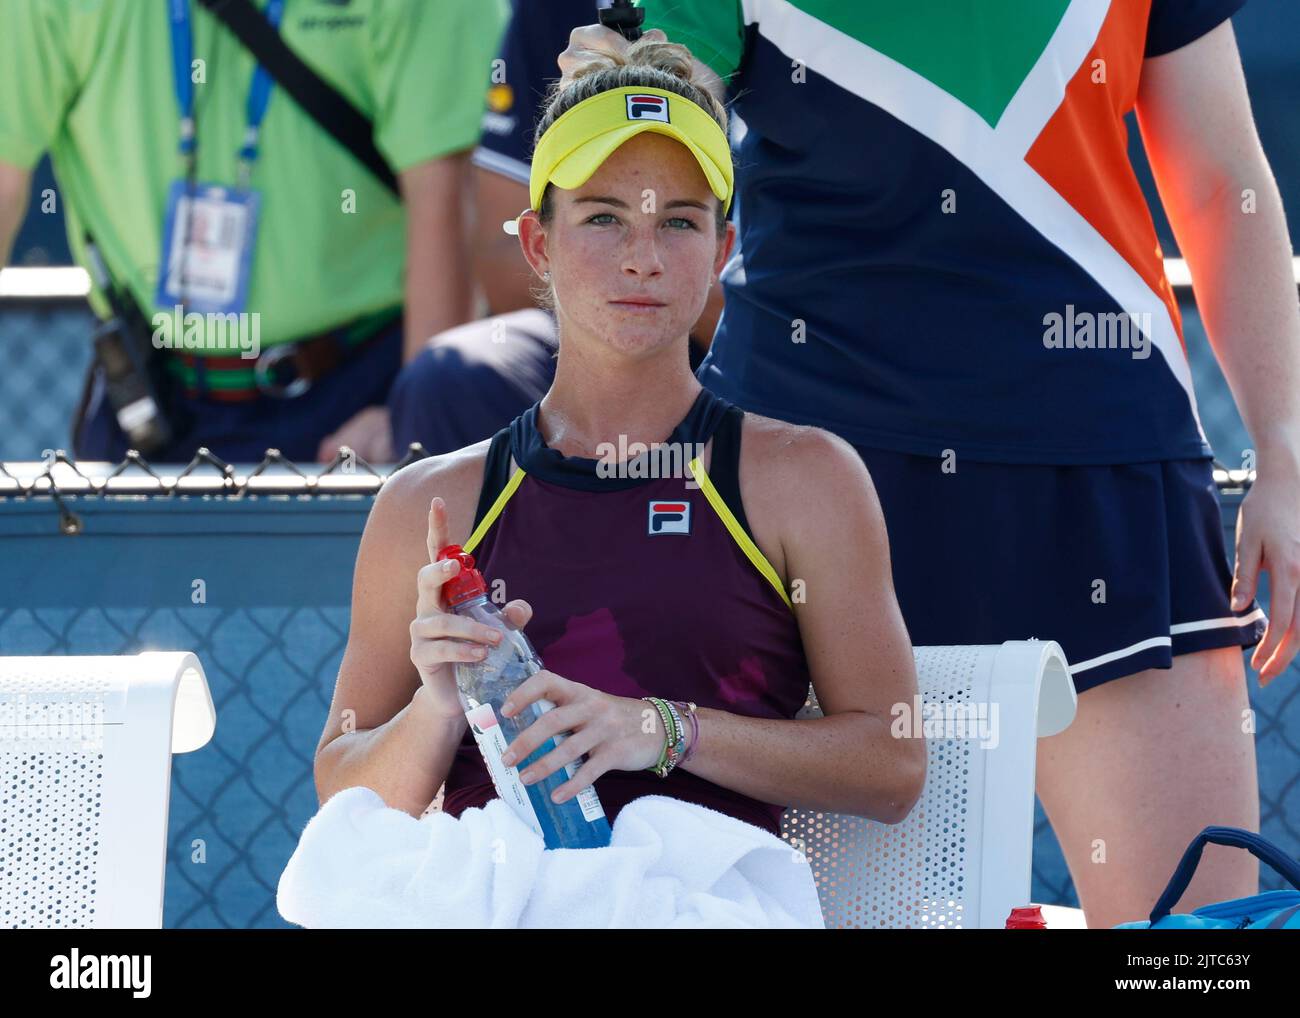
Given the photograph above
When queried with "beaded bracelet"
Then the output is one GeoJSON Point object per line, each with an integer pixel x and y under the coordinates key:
{"type": "Point", "coordinates": [667, 721]}
{"type": "Point", "coordinates": [678, 724]}
{"type": "Point", "coordinates": [674, 752]}
{"type": "Point", "coordinates": [670, 755]}
{"type": "Point", "coordinates": [689, 709]}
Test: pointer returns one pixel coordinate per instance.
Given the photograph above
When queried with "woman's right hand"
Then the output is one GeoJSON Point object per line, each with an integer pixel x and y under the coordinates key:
{"type": "Point", "coordinates": [439, 637]}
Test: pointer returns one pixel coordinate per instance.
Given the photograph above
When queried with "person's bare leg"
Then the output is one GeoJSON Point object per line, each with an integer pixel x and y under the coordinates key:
{"type": "Point", "coordinates": [1150, 760]}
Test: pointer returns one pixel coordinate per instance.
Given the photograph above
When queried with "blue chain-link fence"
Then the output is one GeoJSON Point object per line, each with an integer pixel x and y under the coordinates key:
{"type": "Point", "coordinates": [45, 350]}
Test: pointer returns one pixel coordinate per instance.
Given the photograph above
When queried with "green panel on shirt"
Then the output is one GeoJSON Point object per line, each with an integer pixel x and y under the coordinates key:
{"type": "Point", "coordinates": [91, 82]}
{"type": "Point", "coordinates": [713, 30]}
{"type": "Point", "coordinates": [931, 37]}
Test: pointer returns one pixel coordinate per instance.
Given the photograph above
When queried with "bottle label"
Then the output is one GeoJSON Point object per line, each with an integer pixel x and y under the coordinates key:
{"type": "Point", "coordinates": [492, 743]}
{"type": "Point", "coordinates": [588, 800]}
{"type": "Point", "coordinates": [590, 803]}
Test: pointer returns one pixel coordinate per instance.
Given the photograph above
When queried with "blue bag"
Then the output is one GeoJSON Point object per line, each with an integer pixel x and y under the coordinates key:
{"type": "Point", "coordinates": [1272, 910]}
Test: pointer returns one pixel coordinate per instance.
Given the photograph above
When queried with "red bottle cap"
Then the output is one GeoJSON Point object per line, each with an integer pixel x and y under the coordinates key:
{"type": "Point", "coordinates": [466, 584]}
{"type": "Point", "coordinates": [1026, 917]}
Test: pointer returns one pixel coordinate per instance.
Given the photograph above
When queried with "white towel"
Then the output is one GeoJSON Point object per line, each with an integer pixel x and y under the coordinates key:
{"type": "Point", "coordinates": [669, 865]}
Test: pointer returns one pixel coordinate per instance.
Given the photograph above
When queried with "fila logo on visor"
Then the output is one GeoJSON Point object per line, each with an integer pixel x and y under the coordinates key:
{"type": "Point", "coordinates": [669, 517]}
{"type": "Point", "coordinates": [647, 107]}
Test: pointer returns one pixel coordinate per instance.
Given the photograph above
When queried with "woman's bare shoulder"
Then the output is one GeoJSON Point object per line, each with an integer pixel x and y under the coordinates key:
{"type": "Point", "coordinates": [403, 502]}
{"type": "Point", "coordinates": [794, 478]}
{"type": "Point", "coordinates": [781, 454]}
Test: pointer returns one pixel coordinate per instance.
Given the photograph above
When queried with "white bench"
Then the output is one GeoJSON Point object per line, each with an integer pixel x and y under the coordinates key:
{"type": "Point", "coordinates": [962, 858]}
{"type": "Point", "coordinates": [87, 742]}
{"type": "Point", "coordinates": [85, 748]}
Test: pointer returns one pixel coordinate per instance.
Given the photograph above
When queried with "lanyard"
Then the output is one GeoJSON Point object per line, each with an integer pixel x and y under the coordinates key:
{"type": "Point", "coordinates": [259, 91]}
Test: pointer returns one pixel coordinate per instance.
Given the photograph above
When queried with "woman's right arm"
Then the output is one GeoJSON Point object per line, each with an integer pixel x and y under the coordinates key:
{"type": "Point", "coordinates": [387, 730]}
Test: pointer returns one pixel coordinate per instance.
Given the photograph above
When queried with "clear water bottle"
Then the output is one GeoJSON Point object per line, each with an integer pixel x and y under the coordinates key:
{"type": "Point", "coordinates": [578, 822]}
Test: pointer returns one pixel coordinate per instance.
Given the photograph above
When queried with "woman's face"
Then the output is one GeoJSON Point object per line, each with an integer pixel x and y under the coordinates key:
{"type": "Point", "coordinates": [633, 251]}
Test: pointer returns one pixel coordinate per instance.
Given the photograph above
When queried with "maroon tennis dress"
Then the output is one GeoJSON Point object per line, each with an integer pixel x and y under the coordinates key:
{"type": "Point", "coordinates": [640, 586]}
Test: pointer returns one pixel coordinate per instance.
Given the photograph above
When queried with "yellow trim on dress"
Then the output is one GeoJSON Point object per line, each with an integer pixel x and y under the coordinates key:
{"type": "Point", "coordinates": [495, 511]}
{"type": "Point", "coordinates": [737, 531]}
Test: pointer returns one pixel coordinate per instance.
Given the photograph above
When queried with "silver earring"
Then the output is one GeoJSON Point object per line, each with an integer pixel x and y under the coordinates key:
{"type": "Point", "coordinates": [546, 276]}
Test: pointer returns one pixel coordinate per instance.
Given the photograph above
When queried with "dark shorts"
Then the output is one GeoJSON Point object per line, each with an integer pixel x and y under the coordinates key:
{"type": "Point", "coordinates": [242, 432]}
{"type": "Point", "coordinates": [1123, 566]}
{"type": "Point", "coordinates": [473, 380]}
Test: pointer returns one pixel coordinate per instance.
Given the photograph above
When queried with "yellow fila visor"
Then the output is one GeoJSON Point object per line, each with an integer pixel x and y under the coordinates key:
{"type": "Point", "coordinates": [573, 147]}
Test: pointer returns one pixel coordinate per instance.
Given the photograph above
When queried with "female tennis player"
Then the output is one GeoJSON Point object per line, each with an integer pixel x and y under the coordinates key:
{"type": "Point", "coordinates": [731, 583]}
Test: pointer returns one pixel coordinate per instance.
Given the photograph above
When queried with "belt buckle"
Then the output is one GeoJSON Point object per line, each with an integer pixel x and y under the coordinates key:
{"type": "Point", "coordinates": [269, 358]}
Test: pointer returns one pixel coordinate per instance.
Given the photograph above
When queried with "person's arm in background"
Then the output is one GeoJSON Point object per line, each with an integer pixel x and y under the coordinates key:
{"type": "Point", "coordinates": [522, 73]}
{"type": "Point", "coordinates": [432, 60]}
{"type": "Point", "coordinates": [502, 273]}
{"type": "Point", "coordinates": [15, 182]}
{"type": "Point", "coordinates": [1200, 137]}
{"type": "Point", "coordinates": [39, 79]}
{"type": "Point", "coordinates": [439, 287]}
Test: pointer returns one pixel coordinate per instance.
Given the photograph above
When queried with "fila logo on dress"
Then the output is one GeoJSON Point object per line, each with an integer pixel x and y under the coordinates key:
{"type": "Point", "coordinates": [647, 107]}
{"type": "Point", "coordinates": [669, 517]}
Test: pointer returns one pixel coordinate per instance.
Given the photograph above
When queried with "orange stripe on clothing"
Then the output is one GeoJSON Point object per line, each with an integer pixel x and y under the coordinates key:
{"type": "Point", "coordinates": [1083, 151]}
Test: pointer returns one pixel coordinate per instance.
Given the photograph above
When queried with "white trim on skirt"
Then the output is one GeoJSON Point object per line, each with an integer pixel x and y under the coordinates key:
{"type": "Point", "coordinates": [1166, 641]}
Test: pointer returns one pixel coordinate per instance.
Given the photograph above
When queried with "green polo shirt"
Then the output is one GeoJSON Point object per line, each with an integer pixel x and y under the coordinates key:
{"type": "Point", "coordinates": [91, 82]}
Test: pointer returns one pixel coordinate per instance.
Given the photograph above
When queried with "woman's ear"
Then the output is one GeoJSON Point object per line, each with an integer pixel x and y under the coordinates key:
{"type": "Point", "coordinates": [532, 241]}
{"type": "Point", "coordinates": [725, 247]}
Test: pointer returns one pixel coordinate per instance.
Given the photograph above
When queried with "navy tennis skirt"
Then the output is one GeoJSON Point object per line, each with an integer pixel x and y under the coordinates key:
{"type": "Point", "coordinates": [1123, 566]}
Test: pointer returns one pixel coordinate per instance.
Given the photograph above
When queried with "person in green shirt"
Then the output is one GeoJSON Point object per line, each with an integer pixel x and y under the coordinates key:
{"type": "Point", "coordinates": [335, 252]}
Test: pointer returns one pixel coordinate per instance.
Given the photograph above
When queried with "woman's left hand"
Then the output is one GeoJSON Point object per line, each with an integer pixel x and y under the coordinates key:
{"type": "Point", "coordinates": [1268, 539]}
{"type": "Point", "coordinates": [615, 732]}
